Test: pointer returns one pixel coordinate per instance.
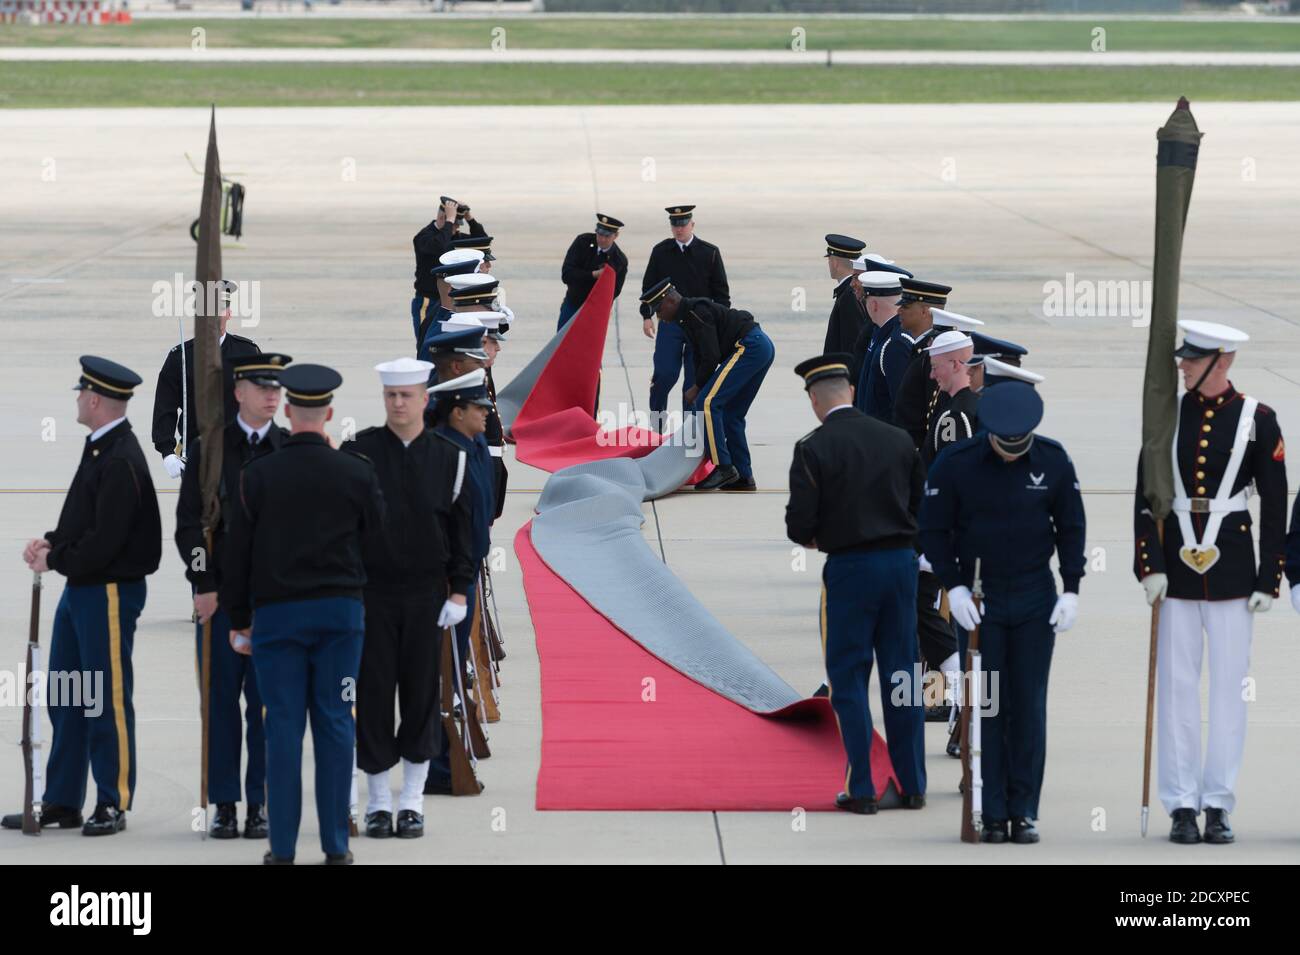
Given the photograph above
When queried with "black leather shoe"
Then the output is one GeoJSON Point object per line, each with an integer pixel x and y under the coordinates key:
{"type": "Point", "coordinates": [344, 859]}
{"type": "Point", "coordinates": [271, 859]}
{"type": "Point", "coordinates": [1023, 831]}
{"type": "Point", "coordinates": [937, 714]}
{"type": "Point", "coordinates": [379, 825]}
{"type": "Point", "coordinates": [410, 824]}
{"type": "Point", "coordinates": [255, 826]}
{"type": "Point", "coordinates": [863, 806]}
{"type": "Point", "coordinates": [742, 485]}
{"type": "Point", "coordinates": [954, 741]}
{"type": "Point", "coordinates": [106, 821]}
{"type": "Point", "coordinates": [995, 830]}
{"type": "Point", "coordinates": [1217, 830]}
{"type": "Point", "coordinates": [719, 478]}
{"type": "Point", "coordinates": [60, 816]}
{"type": "Point", "coordinates": [226, 823]}
{"type": "Point", "coordinates": [1184, 830]}
{"type": "Point", "coordinates": [912, 801]}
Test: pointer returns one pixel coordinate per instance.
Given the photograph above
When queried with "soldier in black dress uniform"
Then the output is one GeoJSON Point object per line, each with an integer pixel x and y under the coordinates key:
{"type": "Point", "coordinates": [849, 314]}
{"type": "Point", "coordinates": [588, 255]}
{"type": "Point", "coordinates": [855, 485]}
{"type": "Point", "coordinates": [914, 390]}
{"type": "Point", "coordinates": [252, 434]}
{"type": "Point", "coordinates": [430, 243]}
{"type": "Point", "coordinates": [695, 269]}
{"type": "Point", "coordinates": [417, 577]}
{"type": "Point", "coordinates": [108, 539]}
{"type": "Point", "coordinates": [295, 578]}
{"type": "Point", "coordinates": [167, 395]}
{"type": "Point", "coordinates": [1205, 574]}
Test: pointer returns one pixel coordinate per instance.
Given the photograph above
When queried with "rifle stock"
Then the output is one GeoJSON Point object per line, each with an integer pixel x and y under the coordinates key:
{"type": "Point", "coordinates": [463, 780]}
{"type": "Point", "coordinates": [31, 718]}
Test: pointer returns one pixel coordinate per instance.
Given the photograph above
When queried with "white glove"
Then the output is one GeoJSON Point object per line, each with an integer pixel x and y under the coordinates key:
{"type": "Point", "coordinates": [1156, 586]}
{"type": "Point", "coordinates": [1295, 597]}
{"type": "Point", "coordinates": [174, 466]}
{"type": "Point", "coordinates": [962, 608]}
{"type": "Point", "coordinates": [1259, 603]}
{"type": "Point", "coordinates": [924, 565]}
{"type": "Point", "coordinates": [1064, 613]}
{"type": "Point", "coordinates": [452, 614]}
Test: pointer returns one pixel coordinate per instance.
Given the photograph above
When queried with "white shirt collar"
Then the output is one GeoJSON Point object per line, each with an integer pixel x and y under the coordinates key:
{"type": "Point", "coordinates": [837, 408]}
{"type": "Point", "coordinates": [101, 431]}
{"type": "Point", "coordinates": [684, 245]}
{"type": "Point", "coordinates": [249, 430]}
{"type": "Point", "coordinates": [222, 340]}
{"type": "Point", "coordinates": [843, 280]}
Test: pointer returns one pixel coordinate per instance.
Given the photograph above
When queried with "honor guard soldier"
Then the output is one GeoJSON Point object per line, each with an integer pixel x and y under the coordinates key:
{"type": "Point", "coordinates": [430, 243]}
{"type": "Point", "coordinates": [855, 484]}
{"type": "Point", "coordinates": [848, 315]}
{"type": "Point", "coordinates": [913, 387]}
{"type": "Point", "coordinates": [108, 539]}
{"type": "Point", "coordinates": [732, 356]}
{"type": "Point", "coordinates": [1205, 575]}
{"type": "Point", "coordinates": [295, 576]}
{"type": "Point", "coordinates": [455, 262]}
{"type": "Point", "coordinates": [950, 354]}
{"type": "Point", "coordinates": [477, 242]}
{"type": "Point", "coordinates": [588, 255]}
{"type": "Point", "coordinates": [882, 289]}
{"type": "Point", "coordinates": [987, 371]}
{"type": "Point", "coordinates": [171, 389]}
{"type": "Point", "coordinates": [460, 413]}
{"type": "Point", "coordinates": [695, 269]}
{"type": "Point", "coordinates": [417, 576]}
{"type": "Point", "coordinates": [252, 434]}
{"type": "Point", "coordinates": [1007, 498]}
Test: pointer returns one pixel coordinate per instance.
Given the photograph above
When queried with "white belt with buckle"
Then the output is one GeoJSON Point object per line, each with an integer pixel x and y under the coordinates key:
{"type": "Point", "coordinates": [1211, 505]}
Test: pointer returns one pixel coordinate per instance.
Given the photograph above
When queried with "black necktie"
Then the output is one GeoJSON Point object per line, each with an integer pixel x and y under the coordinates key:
{"type": "Point", "coordinates": [254, 438]}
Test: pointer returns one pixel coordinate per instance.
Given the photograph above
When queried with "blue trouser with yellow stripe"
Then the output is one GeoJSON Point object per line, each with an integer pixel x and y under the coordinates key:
{"type": "Point", "coordinates": [726, 396]}
{"type": "Point", "coordinates": [94, 726]}
{"type": "Point", "coordinates": [869, 610]}
{"type": "Point", "coordinates": [232, 674]}
{"type": "Point", "coordinates": [1016, 643]}
{"type": "Point", "coordinates": [307, 654]}
{"type": "Point", "coordinates": [671, 351]}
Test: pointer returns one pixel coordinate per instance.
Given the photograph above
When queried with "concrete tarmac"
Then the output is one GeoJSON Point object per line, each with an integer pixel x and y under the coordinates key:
{"type": "Point", "coordinates": [1019, 208]}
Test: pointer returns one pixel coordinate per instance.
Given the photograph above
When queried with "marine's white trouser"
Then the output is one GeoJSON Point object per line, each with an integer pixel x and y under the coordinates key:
{"type": "Point", "coordinates": [1186, 783]}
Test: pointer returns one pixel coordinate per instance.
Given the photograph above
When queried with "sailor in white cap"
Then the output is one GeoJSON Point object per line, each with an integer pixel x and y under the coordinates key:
{"type": "Point", "coordinates": [1205, 574]}
{"type": "Point", "coordinates": [950, 354]}
{"type": "Point", "coordinates": [476, 297]}
{"type": "Point", "coordinates": [419, 570]}
{"type": "Point", "coordinates": [986, 371]}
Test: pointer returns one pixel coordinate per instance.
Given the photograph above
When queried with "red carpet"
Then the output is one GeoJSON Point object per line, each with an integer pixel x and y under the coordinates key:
{"type": "Point", "coordinates": [604, 747]}
{"type": "Point", "coordinates": [554, 427]}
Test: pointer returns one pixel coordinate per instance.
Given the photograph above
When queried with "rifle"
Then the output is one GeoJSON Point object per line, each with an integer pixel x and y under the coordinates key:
{"type": "Point", "coordinates": [32, 769]}
{"type": "Point", "coordinates": [494, 623]}
{"type": "Point", "coordinates": [485, 691]}
{"type": "Point", "coordinates": [972, 801]}
{"type": "Point", "coordinates": [1151, 696]}
{"type": "Point", "coordinates": [463, 780]}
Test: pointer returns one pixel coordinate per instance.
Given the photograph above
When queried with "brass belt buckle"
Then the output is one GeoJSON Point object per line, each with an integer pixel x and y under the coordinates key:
{"type": "Point", "coordinates": [1200, 505]}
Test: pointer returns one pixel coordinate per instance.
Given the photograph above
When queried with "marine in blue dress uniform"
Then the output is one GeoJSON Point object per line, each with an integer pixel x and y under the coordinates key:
{"type": "Point", "coordinates": [252, 434]}
{"type": "Point", "coordinates": [108, 539]}
{"type": "Point", "coordinates": [417, 577]}
{"type": "Point", "coordinates": [459, 414]}
{"type": "Point", "coordinates": [855, 484]}
{"type": "Point", "coordinates": [1009, 498]}
{"type": "Point", "coordinates": [695, 269]}
{"type": "Point", "coordinates": [295, 574]}
{"type": "Point", "coordinates": [586, 258]}
{"type": "Point", "coordinates": [1206, 576]}
{"type": "Point", "coordinates": [732, 356]}
{"type": "Point", "coordinates": [871, 395]}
